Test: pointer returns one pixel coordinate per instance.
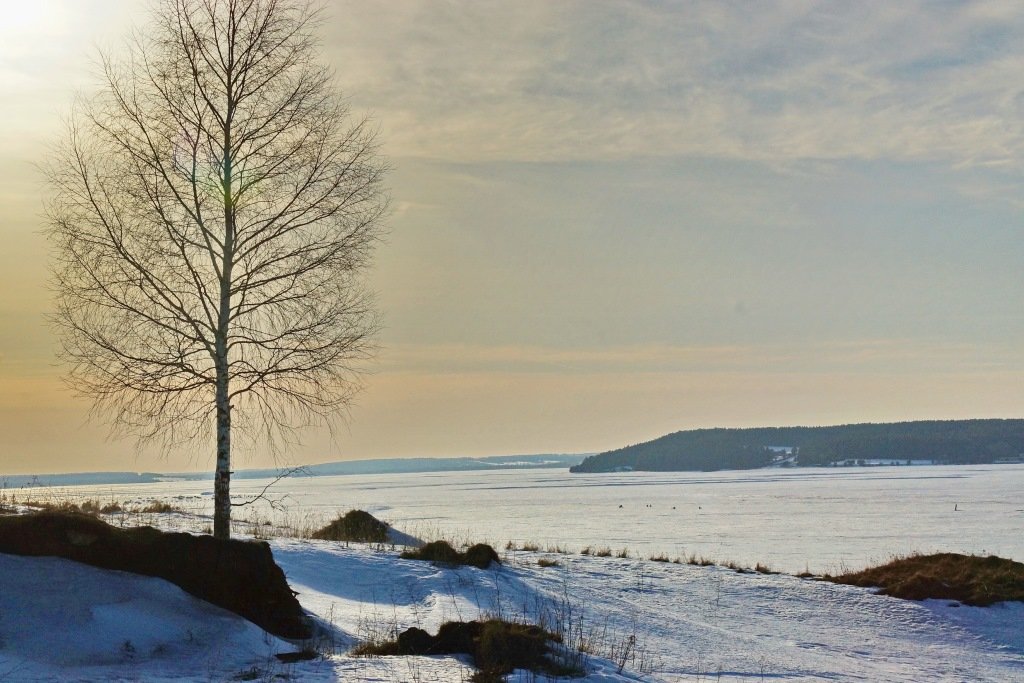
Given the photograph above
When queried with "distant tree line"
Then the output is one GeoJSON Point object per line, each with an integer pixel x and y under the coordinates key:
{"type": "Point", "coordinates": [943, 441]}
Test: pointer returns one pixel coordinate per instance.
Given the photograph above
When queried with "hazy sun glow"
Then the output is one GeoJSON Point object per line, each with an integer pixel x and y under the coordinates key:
{"type": "Point", "coordinates": [25, 19]}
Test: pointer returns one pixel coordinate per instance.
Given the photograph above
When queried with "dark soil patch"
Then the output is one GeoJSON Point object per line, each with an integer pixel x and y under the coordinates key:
{"type": "Point", "coordinates": [970, 579]}
{"type": "Point", "coordinates": [497, 647]}
{"type": "Point", "coordinates": [240, 576]}
{"type": "Point", "coordinates": [357, 526]}
{"type": "Point", "coordinates": [293, 657]}
{"type": "Point", "coordinates": [480, 555]}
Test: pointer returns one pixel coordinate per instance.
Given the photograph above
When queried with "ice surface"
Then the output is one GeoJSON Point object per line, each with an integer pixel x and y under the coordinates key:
{"type": "Point", "coordinates": [824, 520]}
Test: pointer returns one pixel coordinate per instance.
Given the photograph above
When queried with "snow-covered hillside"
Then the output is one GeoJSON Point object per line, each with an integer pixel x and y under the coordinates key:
{"type": "Point", "coordinates": [65, 622]}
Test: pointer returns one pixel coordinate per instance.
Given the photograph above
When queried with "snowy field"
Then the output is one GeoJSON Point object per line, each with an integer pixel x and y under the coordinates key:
{"type": "Point", "coordinates": [60, 621]}
{"type": "Point", "coordinates": [656, 621]}
{"type": "Point", "coordinates": [824, 520]}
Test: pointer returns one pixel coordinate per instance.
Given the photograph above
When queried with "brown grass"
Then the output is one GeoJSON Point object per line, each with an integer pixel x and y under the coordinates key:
{"type": "Point", "coordinates": [480, 555]}
{"type": "Point", "coordinates": [699, 561]}
{"type": "Point", "coordinates": [86, 507]}
{"type": "Point", "coordinates": [496, 646]}
{"type": "Point", "coordinates": [159, 507]}
{"type": "Point", "coordinates": [970, 579]}
{"type": "Point", "coordinates": [357, 526]}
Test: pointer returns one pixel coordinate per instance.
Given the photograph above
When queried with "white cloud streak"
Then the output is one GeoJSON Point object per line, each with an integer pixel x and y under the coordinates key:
{"type": "Point", "coordinates": [774, 81]}
{"type": "Point", "coordinates": [871, 356]}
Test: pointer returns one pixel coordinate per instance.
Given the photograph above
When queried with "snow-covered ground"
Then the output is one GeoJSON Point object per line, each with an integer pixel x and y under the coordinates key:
{"type": "Point", "coordinates": [60, 621]}
{"type": "Point", "coordinates": [65, 621]}
{"type": "Point", "coordinates": [666, 621]}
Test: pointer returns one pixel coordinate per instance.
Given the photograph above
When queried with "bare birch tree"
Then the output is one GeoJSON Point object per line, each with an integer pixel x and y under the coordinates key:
{"type": "Point", "coordinates": [212, 211]}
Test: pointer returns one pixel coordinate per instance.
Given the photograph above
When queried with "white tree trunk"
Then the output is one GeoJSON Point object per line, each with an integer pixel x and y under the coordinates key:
{"type": "Point", "coordinates": [222, 476]}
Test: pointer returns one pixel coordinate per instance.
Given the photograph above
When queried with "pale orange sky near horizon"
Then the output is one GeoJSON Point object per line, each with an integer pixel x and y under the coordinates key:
{"type": "Point", "coordinates": [614, 220]}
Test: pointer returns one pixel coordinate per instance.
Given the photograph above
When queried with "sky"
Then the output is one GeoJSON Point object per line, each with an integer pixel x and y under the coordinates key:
{"type": "Point", "coordinates": [612, 220]}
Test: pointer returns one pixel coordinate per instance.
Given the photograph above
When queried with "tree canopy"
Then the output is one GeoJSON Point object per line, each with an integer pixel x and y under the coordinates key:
{"type": "Point", "coordinates": [213, 209]}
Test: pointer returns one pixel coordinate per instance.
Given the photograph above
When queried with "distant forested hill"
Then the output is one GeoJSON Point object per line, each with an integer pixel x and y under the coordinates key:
{"type": "Point", "coordinates": [946, 441]}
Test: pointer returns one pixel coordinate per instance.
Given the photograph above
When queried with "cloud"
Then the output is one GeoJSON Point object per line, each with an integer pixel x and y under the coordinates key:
{"type": "Point", "coordinates": [892, 356]}
{"type": "Point", "coordinates": [534, 80]}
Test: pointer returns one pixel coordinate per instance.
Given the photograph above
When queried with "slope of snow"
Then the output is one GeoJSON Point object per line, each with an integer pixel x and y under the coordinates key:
{"type": "Point", "coordinates": [65, 621]}
{"type": "Point", "coordinates": [689, 622]}
{"type": "Point", "coordinates": [61, 621]}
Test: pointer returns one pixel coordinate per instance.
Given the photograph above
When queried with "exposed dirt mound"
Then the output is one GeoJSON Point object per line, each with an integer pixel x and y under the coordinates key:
{"type": "Point", "coordinates": [498, 647]}
{"type": "Point", "coordinates": [356, 526]}
{"type": "Point", "coordinates": [480, 555]}
{"type": "Point", "coordinates": [240, 576]}
{"type": "Point", "coordinates": [970, 579]}
{"type": "Point", "coordinates": [436, 551]}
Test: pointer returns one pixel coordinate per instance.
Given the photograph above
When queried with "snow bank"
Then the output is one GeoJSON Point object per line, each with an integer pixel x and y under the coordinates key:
{"type": "Point", "coordinates": [65, 621]}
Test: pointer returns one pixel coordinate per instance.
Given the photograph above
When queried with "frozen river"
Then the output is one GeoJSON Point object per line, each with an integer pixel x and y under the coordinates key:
{"type": "Point", "coordinates": [790, 519]}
